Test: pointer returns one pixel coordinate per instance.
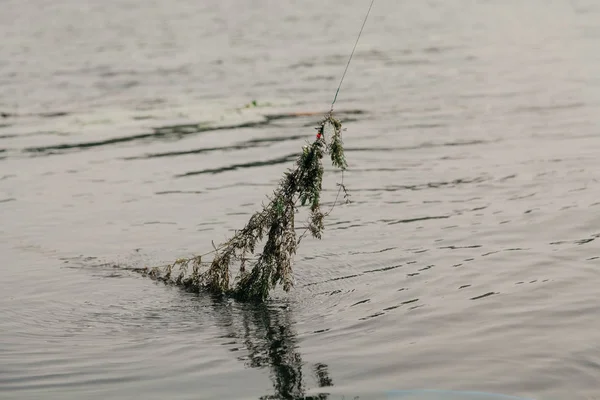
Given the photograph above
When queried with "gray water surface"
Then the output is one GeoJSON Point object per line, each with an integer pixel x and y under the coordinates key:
{"type": "Point", "coordinates": [467, 260]}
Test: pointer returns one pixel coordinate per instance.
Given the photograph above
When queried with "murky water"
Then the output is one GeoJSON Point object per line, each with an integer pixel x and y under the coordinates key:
{"type": "Point", "coordinates": [467, 260]}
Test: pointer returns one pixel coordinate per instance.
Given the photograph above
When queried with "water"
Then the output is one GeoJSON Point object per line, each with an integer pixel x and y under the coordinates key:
{"type": "Point", "coordinates": [467, 260]}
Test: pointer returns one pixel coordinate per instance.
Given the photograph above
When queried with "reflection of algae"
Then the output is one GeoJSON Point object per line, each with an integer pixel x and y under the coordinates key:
{"type": "Point", "coordinates": [270, 341]}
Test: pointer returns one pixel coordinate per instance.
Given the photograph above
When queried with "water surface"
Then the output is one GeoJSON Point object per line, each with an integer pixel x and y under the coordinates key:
{"type": "Point", "coordinates": [467, 259]}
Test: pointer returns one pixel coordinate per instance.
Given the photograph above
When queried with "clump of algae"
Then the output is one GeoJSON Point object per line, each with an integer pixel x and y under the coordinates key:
{"type": "Point", "coordinates": [274, 226]}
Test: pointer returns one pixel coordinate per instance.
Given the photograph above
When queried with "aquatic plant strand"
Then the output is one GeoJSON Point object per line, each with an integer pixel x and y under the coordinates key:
{"type": "Point", "coordinates": [275, 225]}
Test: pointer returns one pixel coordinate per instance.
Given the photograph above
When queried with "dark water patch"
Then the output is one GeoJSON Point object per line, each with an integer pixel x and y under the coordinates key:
{"type": "Point", "coordinates": [185, 152]}
{"type": "Point", "coordinates": [332, 224]}
{"type": "Point", "coordinates": [377, 314]}
{"type": "Point", "coordinates": [426, 145]}
{"type": "Point", "coordinates": [483, 295]}
{"type": "Point", "coordinates": [173, 132]}
{"type": "Point", "coordinates": [237, 213]}
{"type": "Point", "coordinates": [240, 146]}
{"type": "Point", "coordinates": [490, 253]}
{"type": "Point", "coordinates": [274, 139]}
{"type": "Point", "coordinates": [430, 185]}
{"type": "Point", "coordinates": [319, 114]}
{"type": "Point", "coordinates": [349, 226]}
{"type": "Point", "coordinates": [179, 192]}
{"type": "Point", "coordinates": [48, 381]}
{"type": "Point", "coordinates": [164, 133]}
{"type": "Point", "coordinates": [242, 184]}
{"type": "Point", "coordinates": [475, 246]}
{"type": "Point", "coordinates": [506, 178]}
{"type": "Point", "coordinates": [333, 279]}
{"type": "Point", "coordinates": [115, 275]}
{"type": "Point", "coordinates": [382, 312]}
{"type": "Point", "coordinates": [450, 227]}
{"type": "Point", "coordinates": [7, 200]}
{"type": "Point", "coordinates": [361, 302]}
{"type": "Point", "coordinates": [80, 258]}
{"type": "Point", "coordinates": [54, 114]}
{"type": "Point", "coordinates": [584, 241]}
{"type": "Point", "coordinates": [465, 200]}
{"type": "Point", "coordinates": [40, 115]}
{"type": "Point", "coordinates": [548, 108]}
{"type": "Point", "coordinates": [382, 269]}
{"type": "Point", "coordinates": [409, 301]}
{"type": "Point", "coordinates": [526, 196]}
{"type": "Point", "coordinates": [59, 148]}
{"type": "Point", "coordinates": [578, 241]}
{"type": "Point", "coordinates": [406, 221]}
{"type": "Point", "coordinates": [254, 164]}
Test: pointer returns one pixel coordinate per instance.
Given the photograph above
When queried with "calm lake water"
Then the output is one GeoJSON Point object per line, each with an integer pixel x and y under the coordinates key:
{"type": "Point", "coordinates": [468, 258]}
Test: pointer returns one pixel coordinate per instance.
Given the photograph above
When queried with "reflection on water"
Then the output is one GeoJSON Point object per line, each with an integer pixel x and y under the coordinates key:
{"type": "Point", "coordinates": [266, 332]}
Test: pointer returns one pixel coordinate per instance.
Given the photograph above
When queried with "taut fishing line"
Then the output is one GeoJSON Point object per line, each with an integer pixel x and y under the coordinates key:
{"type": "Point", "coordinates": [352, 54]}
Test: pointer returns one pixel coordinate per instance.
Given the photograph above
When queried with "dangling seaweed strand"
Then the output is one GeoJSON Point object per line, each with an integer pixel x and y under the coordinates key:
{"type": "Point", "coordinates": [300, 186]}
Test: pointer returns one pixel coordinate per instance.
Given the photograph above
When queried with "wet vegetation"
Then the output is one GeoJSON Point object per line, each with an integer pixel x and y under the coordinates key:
{"type": "Point", "coordinates": [273, 227]}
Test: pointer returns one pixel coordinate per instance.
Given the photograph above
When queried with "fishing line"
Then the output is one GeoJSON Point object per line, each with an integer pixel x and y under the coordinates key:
{"type": "Point", "coordinates": [351, 54]}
